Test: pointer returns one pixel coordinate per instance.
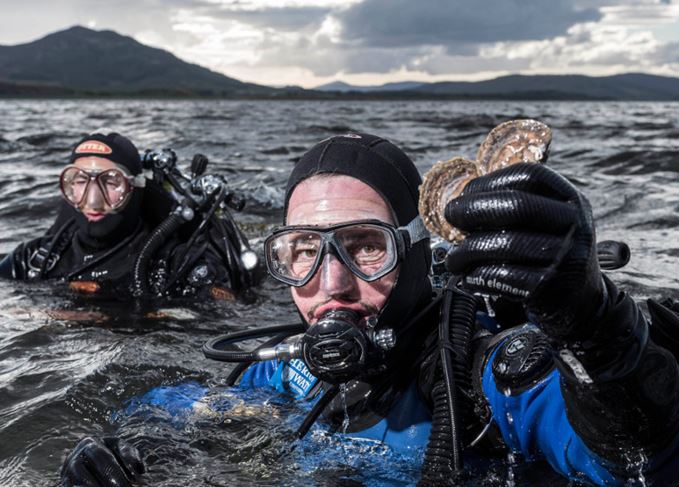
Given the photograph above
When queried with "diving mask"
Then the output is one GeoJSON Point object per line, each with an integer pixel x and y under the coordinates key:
{"type": "Point", "coordinates": [370, 249]}
{"type": "Point", "coordinates": [108, 190]}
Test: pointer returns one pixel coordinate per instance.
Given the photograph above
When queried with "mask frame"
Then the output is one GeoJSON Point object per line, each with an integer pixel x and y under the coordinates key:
{"type": "Point", "coordinates": [129, 184]}
{"type": "Point", "coordinates": [400, 239]}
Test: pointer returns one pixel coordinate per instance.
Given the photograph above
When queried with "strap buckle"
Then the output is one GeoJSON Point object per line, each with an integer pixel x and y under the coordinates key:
{"type": "Point", "coordinates": [37, 260]}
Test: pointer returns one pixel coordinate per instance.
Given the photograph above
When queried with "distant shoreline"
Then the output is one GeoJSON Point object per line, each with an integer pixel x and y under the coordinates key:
{"type": "Point", "coordinates": [387, 97]}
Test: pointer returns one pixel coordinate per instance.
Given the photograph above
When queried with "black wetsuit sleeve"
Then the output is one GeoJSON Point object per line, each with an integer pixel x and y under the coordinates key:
{"type": "Point", "coordinates": [620, 388]}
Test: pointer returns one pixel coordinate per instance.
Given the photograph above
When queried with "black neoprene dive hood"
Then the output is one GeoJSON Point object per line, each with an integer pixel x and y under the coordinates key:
{"type": "Point", "coordinates": [390, 172]}
{"type": "Point", "coordinates": [116, 226]}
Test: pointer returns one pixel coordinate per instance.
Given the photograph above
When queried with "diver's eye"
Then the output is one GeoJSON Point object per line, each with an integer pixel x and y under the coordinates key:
{"type": "Point", "coordinates": [305, 254]}
{"type": "Point", "coordinates": [80, 180]}
{"type": "Point", "coordinates": [368, 249]}
{"type": "Point", "coordinates": [368, 253]}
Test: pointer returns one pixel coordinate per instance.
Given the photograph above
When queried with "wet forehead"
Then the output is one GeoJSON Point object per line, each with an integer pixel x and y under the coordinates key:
{"type": "Point", "coordinates": [327, 200]}
{"type": "Point", "coordinates": [97, 163]}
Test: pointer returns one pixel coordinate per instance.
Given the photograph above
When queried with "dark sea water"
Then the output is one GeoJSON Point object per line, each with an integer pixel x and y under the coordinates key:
{"type": "Point", "coordinates": [69, 365]}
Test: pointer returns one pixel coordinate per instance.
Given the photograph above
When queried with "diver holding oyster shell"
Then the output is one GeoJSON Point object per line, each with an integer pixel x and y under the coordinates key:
{"type": "Point", "coordinates": [522, 232]}
{"type": "Point", "coordinates": [512, 142]}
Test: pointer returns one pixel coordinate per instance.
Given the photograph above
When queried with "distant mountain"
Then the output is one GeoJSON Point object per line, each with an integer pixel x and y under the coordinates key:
{"type": "Point", "coordinates": [343, 87]}
{"type": "Point", "coordinates": [80, 60]}
{"type": "Point", "coordinates": [632, 86]}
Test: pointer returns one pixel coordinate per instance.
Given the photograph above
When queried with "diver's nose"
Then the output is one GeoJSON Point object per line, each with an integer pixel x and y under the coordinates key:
{"type": "Point", "coordinates": [336, 278]}
{"type": "Point", "coordinates": [94, 199]}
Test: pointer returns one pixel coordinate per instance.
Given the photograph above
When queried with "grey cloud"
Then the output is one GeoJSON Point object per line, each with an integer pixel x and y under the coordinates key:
{"type": "Point", "coordinates": [327, 59]}
{"type": "Point", "coordinates": [124, 16]}
{"type": "Point", "coordinates": [323, 58]}
{"type": "Point", "coordinates": [460, 65]}
{"type": "Point", "coordinates": [279, 18]}
{"type": "Point", "coordinates": [588, 4]}
{"type": "Point", "coordinates": [668, 53]}
{"type": "Point", "coordinates": [389, 23]}
{"type": "Point", "coordinates": [435, 36]}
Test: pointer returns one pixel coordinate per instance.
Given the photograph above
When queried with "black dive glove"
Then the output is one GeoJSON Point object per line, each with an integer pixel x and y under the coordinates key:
{"type": "Point", "coordinates": [102, 462]}
{"type": "Point", "coordinates": [530, 236]}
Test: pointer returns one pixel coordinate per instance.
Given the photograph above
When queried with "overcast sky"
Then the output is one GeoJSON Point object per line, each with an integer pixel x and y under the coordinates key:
{"type": "Point", "coordinates": [310, 42]}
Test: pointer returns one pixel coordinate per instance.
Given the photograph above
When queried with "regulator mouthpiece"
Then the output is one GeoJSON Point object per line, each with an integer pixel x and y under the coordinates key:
{"type": "Point", "coordinates": [340, 347]}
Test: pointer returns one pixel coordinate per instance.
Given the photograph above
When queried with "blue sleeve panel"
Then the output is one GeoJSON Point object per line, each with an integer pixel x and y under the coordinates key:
{"type": "Point", "coordinates": [259, 374]}
{"type": "Point", "coordinates": [534, 423]}
{"type": "Point", "coordinates": [292, 378]}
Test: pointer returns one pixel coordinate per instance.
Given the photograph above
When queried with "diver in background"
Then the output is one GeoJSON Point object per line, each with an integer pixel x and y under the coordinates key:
{"type": "Point", "coordinates": [110, 212]}
{"type": "Point", "coordinates": [582, 388]}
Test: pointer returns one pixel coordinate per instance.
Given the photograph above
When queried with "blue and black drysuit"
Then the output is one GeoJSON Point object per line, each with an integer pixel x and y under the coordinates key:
{"type": "Point", "coordinates": [533, 422]}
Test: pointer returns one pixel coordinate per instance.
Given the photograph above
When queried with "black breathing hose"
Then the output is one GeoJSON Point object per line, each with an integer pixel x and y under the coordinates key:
{"type": "Point", "coordinates": [443, 458]}
{"type": "Point", "coordinates": [235, 239]}
{"type": "Point", "coordinates": [141, 267]}
{"type": "Point", "coordinates": [185, 257]}
{"type": "Point", "coordinates": [176, 184]}
{"type": "Point", "coordinates": [231, 255]}
{"type": "Point", "coordinates": [53, 244]}
{"type": "Point", "coordinates": [240, 367]}
{"type": "Point", "coordinates": [212, 349]}
{"type": "Point", "coordinates": [317, 410]}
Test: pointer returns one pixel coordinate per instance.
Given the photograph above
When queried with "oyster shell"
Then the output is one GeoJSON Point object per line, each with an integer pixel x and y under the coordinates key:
{"type": "Point", "coordinates": [509, 143]}
{"type": "Point", "coordinates": [512, 142]}
{"type": "Point", "coordinates": [443, 182]}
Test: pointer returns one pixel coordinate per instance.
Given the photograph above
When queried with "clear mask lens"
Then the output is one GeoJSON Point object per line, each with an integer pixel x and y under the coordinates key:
{"type": "Point", "coordinates": [79, 187]}
{"type": "Point", "coordinates": [369, 250]}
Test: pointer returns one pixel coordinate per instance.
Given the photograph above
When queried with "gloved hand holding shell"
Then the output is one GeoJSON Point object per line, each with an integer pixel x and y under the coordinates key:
{"type": "Point", "coordinates": [508, 143]}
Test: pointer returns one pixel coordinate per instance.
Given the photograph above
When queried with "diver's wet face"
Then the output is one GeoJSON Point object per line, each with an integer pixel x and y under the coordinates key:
{"type": "Point", "coordinates": [330, 200]}
{"type": "Point", "coordinates": [96, 186]}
